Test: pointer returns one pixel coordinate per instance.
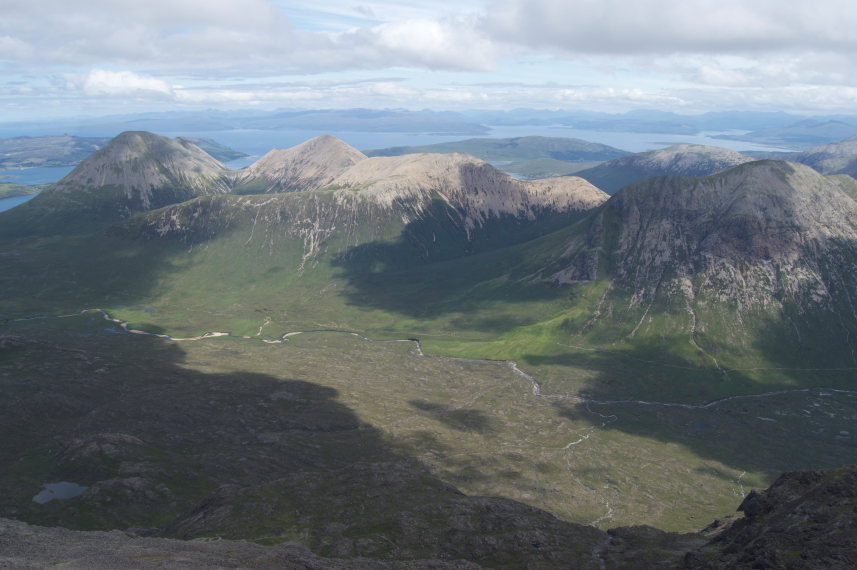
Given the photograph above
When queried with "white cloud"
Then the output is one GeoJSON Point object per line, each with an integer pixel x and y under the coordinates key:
{"type": "Point", "coordinates": [668, 26]}
{"type": "Point", "coordinates": [101, 82]}
{"type": "Point", "coordinates": [221, 37]}
{"type": "Point", "coordinates": [451, 44]}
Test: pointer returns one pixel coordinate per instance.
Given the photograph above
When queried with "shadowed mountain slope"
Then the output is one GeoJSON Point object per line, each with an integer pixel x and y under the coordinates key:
{"type": "Point", "coordinates": [805, 520]}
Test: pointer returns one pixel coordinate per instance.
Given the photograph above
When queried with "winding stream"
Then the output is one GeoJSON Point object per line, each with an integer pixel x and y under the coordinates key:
{"type": "Point", "coordinates": [418, 351]}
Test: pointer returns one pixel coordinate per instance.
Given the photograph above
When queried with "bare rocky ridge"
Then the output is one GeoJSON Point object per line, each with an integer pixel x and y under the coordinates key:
{"type": "Point", "coordinates": [467, 182]}
{"type": "Point", "coordinates": [310, 165]}
{"type": "Point", "coordinates": [476, 188]}
{"type": "Point", "coordinates": [679, 160]}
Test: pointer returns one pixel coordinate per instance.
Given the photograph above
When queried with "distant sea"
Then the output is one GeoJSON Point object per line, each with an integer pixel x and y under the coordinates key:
{"type": "Point", "coordinates": [258, 142]}
{"type": "Point", "coordinates": [29, 176]}
{"type": "Point", "coordinates": [9, 203]}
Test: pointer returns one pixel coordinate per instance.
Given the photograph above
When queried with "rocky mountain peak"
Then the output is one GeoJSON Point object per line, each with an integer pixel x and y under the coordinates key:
{"type": "Point", "coordinates": [134, 172]}
{"type": "Point", "coordinates": [757, 210]}
{"type": "Point", "coordinates": [309, 165]}
{"type": "Point", "coordinates": [149, 170]}
{"type": "Point", "coordinates": [761, 236]}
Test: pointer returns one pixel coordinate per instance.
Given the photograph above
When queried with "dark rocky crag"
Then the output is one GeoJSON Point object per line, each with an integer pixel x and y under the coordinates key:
{"type": "Point", "coordinates": [804, 521]}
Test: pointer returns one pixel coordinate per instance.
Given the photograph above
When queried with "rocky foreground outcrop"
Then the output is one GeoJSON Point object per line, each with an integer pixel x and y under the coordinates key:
{"type": "Point", "coordinates": [26, 547]}
{"type": "Point", "coordinates": [805, 520]}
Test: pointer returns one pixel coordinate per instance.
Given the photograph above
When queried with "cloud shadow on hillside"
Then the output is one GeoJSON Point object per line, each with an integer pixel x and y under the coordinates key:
{"type": "Point", "coordinates": [433, 268]}
{"type": "Point", "coordinates": [799, 429]}
{"type": "Point", "coordinates": [186, 453]}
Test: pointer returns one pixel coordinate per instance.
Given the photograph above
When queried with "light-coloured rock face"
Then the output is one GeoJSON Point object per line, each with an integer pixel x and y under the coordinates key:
{"type": "Point", "coordinates": [142, 164]}
{"type": "Point", "coordinates": [310, 165]}
{"type": "Point", "coordinates": [462, 181]}
{"type": "Point", "coordinates": [468, 184]}
{"type": "Point", "coordinates": [758, 236]}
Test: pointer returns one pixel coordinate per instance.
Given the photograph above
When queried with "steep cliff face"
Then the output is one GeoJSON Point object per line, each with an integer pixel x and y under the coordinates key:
{"type": "Point", "coordinates": [766, 239]}
{"type": "Point", "coordinates": [678, 160]}
{"type": "Point", "coordinates": [307, 166]}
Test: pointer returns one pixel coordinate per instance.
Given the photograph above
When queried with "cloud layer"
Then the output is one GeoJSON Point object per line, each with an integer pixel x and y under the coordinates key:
{"type": "Point", "coordinates": [668, 27]}
{"type": "Point", "coordinates": [691, 53]}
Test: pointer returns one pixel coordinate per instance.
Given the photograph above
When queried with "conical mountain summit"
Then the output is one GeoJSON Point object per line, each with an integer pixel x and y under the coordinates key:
{"type": "Point", "coordinates": [135, 172]}
{"type": "Point", "coordinates": [309, 165]}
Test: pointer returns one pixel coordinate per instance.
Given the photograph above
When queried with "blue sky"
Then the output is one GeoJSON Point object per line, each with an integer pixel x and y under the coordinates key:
{"type": "Point", "coordinates": [93, 57]}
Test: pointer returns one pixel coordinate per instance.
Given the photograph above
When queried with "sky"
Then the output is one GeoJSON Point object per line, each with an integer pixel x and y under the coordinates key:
{"type": "Point", "coordinates": [97, 57]}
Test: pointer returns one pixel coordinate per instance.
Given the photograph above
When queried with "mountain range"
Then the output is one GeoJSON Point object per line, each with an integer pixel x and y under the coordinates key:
{"type": "Point", "coordinates": [663, 324]}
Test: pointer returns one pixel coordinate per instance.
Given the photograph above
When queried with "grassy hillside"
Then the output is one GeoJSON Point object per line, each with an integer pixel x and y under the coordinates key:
{"type": "Point", "coordinates": [545, 168]}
